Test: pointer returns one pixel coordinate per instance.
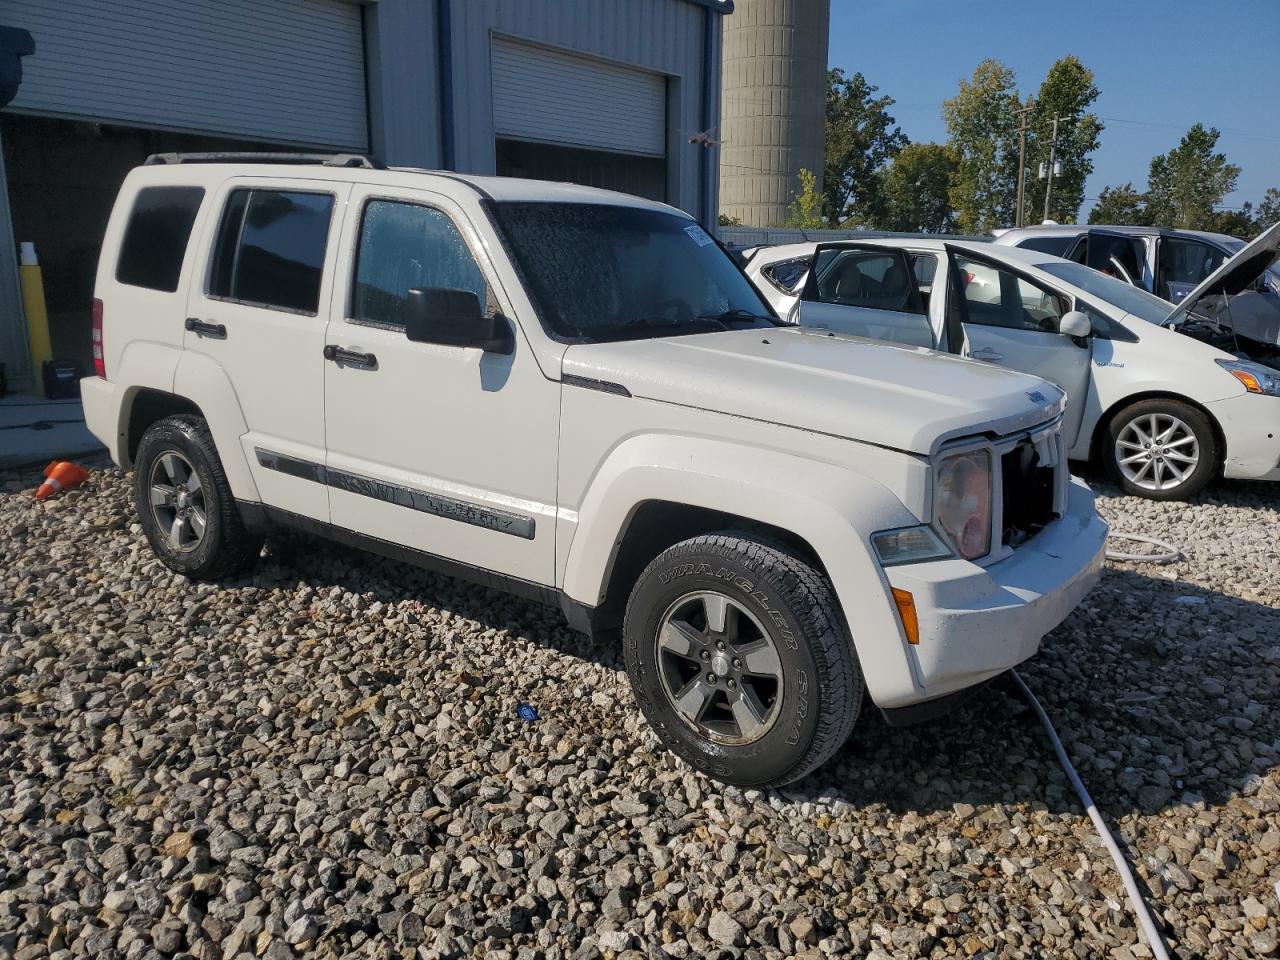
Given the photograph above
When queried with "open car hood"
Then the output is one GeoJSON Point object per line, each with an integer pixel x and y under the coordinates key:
{"type": "Point", "coordinates": [1211, 300]}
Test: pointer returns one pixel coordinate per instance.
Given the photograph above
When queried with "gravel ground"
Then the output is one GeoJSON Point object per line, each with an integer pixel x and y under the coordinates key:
{"type": "Point", "coordinates": [325, 759]}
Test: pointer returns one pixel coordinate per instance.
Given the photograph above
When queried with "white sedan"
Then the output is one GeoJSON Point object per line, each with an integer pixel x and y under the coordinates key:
{"type": "Point", "coordinates": [1163, 396]}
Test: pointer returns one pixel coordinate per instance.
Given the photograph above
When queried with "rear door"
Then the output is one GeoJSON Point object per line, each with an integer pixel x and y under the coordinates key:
{"type": "Point", "coordinates": [1009, 320]}
{"type": "Point", "coordinates": [1115, 254]}
{"type": "Point", "coordinates": [258, 310]}
{"type": "Point", "coordinates": [866, 291]}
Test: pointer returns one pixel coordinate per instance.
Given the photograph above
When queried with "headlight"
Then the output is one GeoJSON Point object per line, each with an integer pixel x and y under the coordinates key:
{"type": "Point", "coordinates": [962, 502]}
{"type": "Point", "coordinates": [909, 545]}
{"type": "Point", "coordinates": [1255, 377]}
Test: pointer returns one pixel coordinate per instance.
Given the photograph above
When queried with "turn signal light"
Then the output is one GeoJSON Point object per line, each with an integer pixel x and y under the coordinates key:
{"type": "Point", "coordinates": [906, 605]}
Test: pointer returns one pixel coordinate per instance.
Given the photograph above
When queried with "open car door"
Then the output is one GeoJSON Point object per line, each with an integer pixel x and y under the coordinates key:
{"type": "Point", "coordinates": [1115, 254]}
{"type": "Point", "coordinates": [867, 291]}
{"type": "Point", "coordinates": [1001, 317]}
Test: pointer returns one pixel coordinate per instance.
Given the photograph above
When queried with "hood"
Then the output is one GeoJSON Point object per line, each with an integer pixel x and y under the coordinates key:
{"type": "Point", "coordinates": [903, 398]}
{"type": "Point", "coordinates": [1232, 277]}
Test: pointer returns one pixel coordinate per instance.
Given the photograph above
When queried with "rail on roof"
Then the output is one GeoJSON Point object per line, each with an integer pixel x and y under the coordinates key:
{"type": "Point", "coordinates": [319, 159]}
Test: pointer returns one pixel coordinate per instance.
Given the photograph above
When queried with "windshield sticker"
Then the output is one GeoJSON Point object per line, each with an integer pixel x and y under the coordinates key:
{"type": "Point", "coordinates": [700, 236]}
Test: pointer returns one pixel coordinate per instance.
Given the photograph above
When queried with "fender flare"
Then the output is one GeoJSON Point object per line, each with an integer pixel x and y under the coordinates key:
{"type": "Point", "coordinates": [205, 383]}
{"type": "Point", "coordinates": [832, 508]}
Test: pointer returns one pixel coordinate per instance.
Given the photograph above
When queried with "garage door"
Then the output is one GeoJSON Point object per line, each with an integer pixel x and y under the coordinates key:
{"type": "Point", "coordinates": [547, 96]}
{"type": "Point", "coordinates": [287, 71]}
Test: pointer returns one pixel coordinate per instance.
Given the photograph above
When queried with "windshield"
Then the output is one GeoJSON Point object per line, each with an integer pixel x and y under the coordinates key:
{"type": "Point", "coordinates": [1119, 294]}
{"type": "Point", "coordinates": [601, 272]}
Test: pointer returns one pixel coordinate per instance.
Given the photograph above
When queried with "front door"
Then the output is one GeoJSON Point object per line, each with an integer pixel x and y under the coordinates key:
{"type": "Point", "coordinates": [259, 312]}
{"type": "Point", "coordinates": [445, 450]}
{"type": "Point", "coordinates": [1011, 321]}
{"type": "Point", "coordinates": [866, 291]}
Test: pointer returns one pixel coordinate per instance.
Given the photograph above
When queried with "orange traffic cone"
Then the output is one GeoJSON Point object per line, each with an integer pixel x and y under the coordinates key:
{"type": "Point", "coordinates": [61, 475]}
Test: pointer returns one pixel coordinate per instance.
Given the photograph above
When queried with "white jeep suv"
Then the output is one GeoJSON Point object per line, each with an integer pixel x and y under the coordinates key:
{"type": "Point", "coordinates": [577, 396]}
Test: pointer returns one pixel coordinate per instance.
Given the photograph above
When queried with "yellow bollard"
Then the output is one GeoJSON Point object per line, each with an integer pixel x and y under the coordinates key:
{"type": "Point", "coordinates": [33, 303]}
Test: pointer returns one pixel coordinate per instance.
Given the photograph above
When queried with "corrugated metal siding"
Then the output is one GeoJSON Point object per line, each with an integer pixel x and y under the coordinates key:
{"type": "Point", "coordinates": [664, 36]}
{"type": "Point", "coordinates": [552, 97]}
{"type": "Point", "coordinates": [287, 71]}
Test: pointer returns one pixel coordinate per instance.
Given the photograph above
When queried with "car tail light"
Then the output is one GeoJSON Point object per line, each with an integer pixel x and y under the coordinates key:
{"type": "Point", "coordinates": [99, 361]}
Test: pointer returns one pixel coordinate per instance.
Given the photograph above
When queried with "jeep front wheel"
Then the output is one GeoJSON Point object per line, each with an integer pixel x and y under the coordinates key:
{"type": "Point", "coordinates": [740, 660]}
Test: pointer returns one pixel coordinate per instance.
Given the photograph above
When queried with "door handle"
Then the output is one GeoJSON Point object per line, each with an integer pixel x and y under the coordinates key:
{"type": "Point", "coordinates": [987, 354]}
{"type": "Point", "coordinates": [351, 358]}
{"type": "Point", "coordinates": [200, 328]}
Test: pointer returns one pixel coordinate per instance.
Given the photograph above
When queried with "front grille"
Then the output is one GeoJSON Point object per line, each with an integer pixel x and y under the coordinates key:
{"type": "Point", "coordinates": [1028, 492]}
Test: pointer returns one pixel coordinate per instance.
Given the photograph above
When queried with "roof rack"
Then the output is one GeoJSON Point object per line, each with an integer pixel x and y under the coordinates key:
{"type": "Point", "coordinates": [322, 159]}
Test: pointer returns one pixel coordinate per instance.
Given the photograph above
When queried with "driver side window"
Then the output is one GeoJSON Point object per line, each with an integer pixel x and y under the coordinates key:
{"type": "Point", "coordinates": [996, 297]}
{"type": "Point", "coordinates": [403, 246]}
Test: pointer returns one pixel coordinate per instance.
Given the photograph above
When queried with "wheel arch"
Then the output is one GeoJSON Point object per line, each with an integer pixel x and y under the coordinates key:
{"type": "Point", "coordinates": [656, 525]}
{"type": "Point", "coordinates": [1103, 425]}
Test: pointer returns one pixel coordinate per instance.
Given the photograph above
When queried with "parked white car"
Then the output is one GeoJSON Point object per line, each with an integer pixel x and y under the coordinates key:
{"type": "Point", "coordinates": [1165, 397]}
{"type": "Point", "coordinates": [577, 396]}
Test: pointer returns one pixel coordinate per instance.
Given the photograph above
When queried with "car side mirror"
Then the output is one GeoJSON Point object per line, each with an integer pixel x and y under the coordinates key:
{"type": "Point", "coordinates": [454, 318]}
{"type": "Point", "coordinates": [1075, 324]}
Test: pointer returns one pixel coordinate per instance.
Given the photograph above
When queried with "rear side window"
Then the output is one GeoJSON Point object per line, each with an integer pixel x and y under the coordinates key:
{"type": "Point", "coordinates": [787, 274]}
{"type": "Point", "coordinates": [270, 249]}
{"type": "Point", "coordinates": [155, 241]}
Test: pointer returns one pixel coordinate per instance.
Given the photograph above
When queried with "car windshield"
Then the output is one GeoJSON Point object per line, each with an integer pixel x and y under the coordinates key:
{"type": "Point", "coordinates": [1119, 294]}
{"type": "Point", "coordinates": [604, 272]}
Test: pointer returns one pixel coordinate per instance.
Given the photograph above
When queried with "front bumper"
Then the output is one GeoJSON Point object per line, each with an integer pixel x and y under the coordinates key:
{"type": "Point", "coordinates": [976, 622]}
{"type": "Point", "coordinates": [1250, 426]}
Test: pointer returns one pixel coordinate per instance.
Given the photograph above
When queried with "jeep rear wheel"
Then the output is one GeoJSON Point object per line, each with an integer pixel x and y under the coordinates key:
{"type": "Point", "coordinates": [740, 660]}
{"type": "Point", "coordinates": [185, 505]}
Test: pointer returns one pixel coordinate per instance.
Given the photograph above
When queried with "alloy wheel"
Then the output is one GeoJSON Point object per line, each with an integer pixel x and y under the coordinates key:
{"type": "Point", "coordinates": [177, 501]}
{"type": "Point", "coordinates": [719, 668]}
{"type": "Point", "coordinates": [1157, 451]}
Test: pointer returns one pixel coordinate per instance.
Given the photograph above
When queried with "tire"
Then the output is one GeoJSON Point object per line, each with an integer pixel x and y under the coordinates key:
{"type": "Point", "coordinates": [751, 730]}
{"type": "Point", "coordinates": [169, 449]}
{"type": "Point", "coordinates": [1186, 434]}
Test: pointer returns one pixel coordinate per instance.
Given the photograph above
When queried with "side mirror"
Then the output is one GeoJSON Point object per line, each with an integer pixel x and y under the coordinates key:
{"type": "Point", "coordinates": [1075, 324]}
{"type": "Point", "coordinates": [454, 318]}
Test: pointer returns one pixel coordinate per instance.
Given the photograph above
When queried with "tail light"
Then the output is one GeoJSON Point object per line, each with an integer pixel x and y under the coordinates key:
{"type": "Point", "coordinates": [99, 361]}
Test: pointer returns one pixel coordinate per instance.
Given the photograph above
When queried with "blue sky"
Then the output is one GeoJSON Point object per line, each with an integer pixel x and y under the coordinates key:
{"type": "Point", "coordinates": [1161, 65]}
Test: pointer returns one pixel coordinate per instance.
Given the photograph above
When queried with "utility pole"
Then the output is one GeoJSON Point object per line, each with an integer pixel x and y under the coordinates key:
{"type": "Point", "coordinates": [1053, 149]}
{"type": "Point", "coordinates": [1024, 113]}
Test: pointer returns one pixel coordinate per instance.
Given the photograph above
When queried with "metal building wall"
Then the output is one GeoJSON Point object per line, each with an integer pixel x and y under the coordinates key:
{"type": "Point", "coordinates": [774, 96]}
{"type": "Point", "coordinates": [661, 35]}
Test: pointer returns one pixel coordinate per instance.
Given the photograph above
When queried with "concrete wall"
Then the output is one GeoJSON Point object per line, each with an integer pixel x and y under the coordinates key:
{"type": "Point", "coordinates": [773, 114]}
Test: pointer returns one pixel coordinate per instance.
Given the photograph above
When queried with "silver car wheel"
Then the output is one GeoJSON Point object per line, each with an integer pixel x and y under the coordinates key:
{"type": "Point", "coordinates": [1157, 451]}
{"type": "Point", "coordinates": [177, 501]}
{"type": "Point", "coordinates": [719, 668]}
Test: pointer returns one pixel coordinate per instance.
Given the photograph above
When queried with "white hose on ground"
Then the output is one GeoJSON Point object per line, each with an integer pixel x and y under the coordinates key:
{"type": "Point", "coordinates": [1140, 906]}
{"type": "Point", "coordinates": [1169, 555]}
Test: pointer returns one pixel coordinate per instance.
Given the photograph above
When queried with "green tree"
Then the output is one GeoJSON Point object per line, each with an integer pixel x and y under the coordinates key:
{"type": "Point", "coordinates": [805, 212]}
{"type": "Point", "coordinates": [917, 190]}
{"type": "Point", "coordinates": [1185, 184]}
{"type": "Point", "coordinates": [1236, 223]}
{"type": "Point", "coordinates": [861, 138]}
{"type": "Point", "coordinates": [1122, 206]}
{"type": "Point", "coordinates": [982, 123]}
{"type": "Point", "coordinates": [1068, 91]}
{"type": "Point", "coordinates": [1269, 208]}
